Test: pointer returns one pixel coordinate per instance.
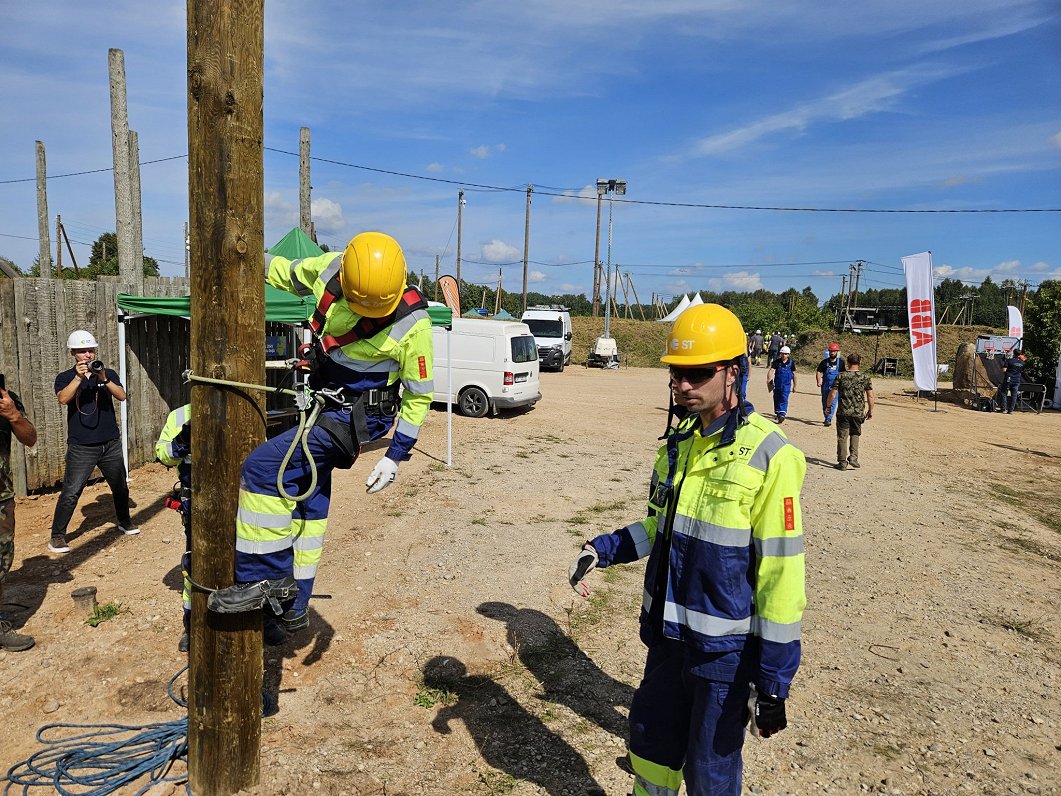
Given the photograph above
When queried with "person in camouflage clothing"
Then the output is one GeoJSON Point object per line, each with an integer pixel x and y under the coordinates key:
{"type": "Point", "coordinates": [12, 421]}
{"type": "Point", "coordinates": [855, 406]}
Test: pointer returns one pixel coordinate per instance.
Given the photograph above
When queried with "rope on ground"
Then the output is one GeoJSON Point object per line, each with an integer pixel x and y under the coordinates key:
{"type": "Point", "coordinates": [106, 757]}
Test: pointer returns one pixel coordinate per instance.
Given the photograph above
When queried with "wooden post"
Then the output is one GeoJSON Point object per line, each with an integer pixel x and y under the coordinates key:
{"type": "Point", "coordinates": [305, 215]}
{"type": "Point", "coordinates": [187, 250]}
{"type": "Point", "coordinates": [226, 219]}
{"type": "Point", "coordinates": [45, 255]}
{"type": "Point", "coordinates": [136, 212]}
{"type": "Point", "coordinates": [633, 290]}
{"type": "Point", "coordinates": [123, 213]}
{"type": "Point", "coordinates": [69, 248]}
{"type": "Point", "coordinates": [526, 245]}
{"type": "Point", "coordinates": [626, 295]}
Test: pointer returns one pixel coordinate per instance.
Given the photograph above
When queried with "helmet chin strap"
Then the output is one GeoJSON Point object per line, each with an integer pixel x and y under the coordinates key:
{"type": "Point", "coordinates": [738, 416]}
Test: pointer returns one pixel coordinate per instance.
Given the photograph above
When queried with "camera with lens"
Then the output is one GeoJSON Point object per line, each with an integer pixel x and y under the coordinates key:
{"type": "Point", "coordinates": [96, 366]}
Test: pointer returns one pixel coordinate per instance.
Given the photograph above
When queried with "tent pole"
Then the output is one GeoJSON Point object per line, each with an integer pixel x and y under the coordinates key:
{"type": "Point", "coordinates": [449, 395]}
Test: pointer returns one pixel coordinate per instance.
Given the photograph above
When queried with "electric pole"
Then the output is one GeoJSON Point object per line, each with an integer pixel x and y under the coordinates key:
{"type": "Point", "coordinates": [460, 207]}
{"type": "Point", "coordinates": [123, 211]}
{"type": "Point", "coordinates": [45, 245]}
{"type": "Point", "coordinates": [526, 245]}
{"type": "Point", "coordinates": [226, 44]}
{"type": "Point", "coordinates": [305, 216]}
{"type": "Point", "coordinates": [596, 261]}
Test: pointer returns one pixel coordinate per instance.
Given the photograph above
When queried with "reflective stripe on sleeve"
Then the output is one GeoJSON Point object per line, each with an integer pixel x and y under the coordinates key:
{"type": "Point", "coordinates": [400, 328]}
{"type": "Point", "coordinates": [639, 536]}
{"type": "Point", "coordinates": [296, 283]}
{"type": "Point", "coordinates": [775, 631]}
{"type": "Point", "coordinates": [407, 428]}
{"type": "Point", "coordinates": [760, 460]}
{"type": "Point", "coordinates": [779, 546]}
{"type": "Point", "coordinates": [419, 387]}
{"type": "Point", "coordinates": [362, 366]}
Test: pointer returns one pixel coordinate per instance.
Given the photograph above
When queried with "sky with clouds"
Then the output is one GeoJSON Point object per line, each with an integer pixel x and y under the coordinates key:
{"type": "Point", "coordinates": [701, 105]}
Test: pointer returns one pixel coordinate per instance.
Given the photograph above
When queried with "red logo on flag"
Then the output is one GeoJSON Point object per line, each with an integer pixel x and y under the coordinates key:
{"type": "Point", "coordinates": [790, 515]}
{"type": "Point", "coordinates": [423, 367]}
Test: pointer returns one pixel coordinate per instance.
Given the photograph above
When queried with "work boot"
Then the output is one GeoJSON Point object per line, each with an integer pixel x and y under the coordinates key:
{"type": "Point", "coordinates": [841, 465]}
{"type": "Point", "coordinates": [12, 641]}
{"type": "Point", "coordinates": [252, 596]}
{"type": "Point", "coordinates": [272, 634]}
{"type": "Point", "coordinates": [185, 643]}
{"type": "Point", "coordinates": [853, 458]}
{"type": "Point", "coordinates": [58, 543]}
{"type": "Point", "coordinates": [294, 621]}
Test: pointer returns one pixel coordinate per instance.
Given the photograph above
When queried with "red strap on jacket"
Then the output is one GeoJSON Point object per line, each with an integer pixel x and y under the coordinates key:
{"type": "Point", "coordinates": [412, 299]}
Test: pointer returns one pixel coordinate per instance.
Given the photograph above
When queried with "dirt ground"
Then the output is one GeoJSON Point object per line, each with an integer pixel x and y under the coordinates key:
{"type": "Point", "coordinates": [447, 654]}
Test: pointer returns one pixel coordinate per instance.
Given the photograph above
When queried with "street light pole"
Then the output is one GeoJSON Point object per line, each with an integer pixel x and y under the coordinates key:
{"type": "Point", "coordinates": [617, 187]}
{"type": "Point", "coordinates": [604, 352]}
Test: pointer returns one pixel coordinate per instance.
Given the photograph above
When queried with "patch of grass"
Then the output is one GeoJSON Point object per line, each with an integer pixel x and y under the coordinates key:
{"type": "Point", "coordinates": [498, 782]}
{"type": "Point", "coordinates": [584, 515]}
{"type": "Point", "coordinates": [427, 697]}
{"type": "Point", "coordinates": [1029, 628]}
{"type": "Point", "coordinates": [1028, 546]}
{"type": "Point", "coordinates": [1038, 505]}
{"type": "Point", "coordinates": [437, 467]}
{"type": "Point", "coordinates": [522, 455]}
{"type": "Point", "coordinates": [394, 513]}
{"type": "Point", "coordinates": [478, 521]}
{"type": "Point", "coordinates": [103, 613]}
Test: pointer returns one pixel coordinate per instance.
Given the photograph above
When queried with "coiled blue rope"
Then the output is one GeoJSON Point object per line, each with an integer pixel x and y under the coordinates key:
{"type": "Point", "coordinates": [106, 758]}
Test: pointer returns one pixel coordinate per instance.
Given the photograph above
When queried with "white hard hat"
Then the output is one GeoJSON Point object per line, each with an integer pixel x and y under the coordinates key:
{"type": "Point", "coordinates": [81, 339]}
{"type": "Point", "coordinates": [758, 331]}
{"type": "Point", "coordinates": [786, 350]}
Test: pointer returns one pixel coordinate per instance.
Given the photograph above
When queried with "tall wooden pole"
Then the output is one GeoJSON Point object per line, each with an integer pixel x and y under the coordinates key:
{"type": "Point", "coordinates": [226, 219]}
{"type": "Point", "coordinates": [135, 205]}
{"type": "Point", "coordinates": [460, 208]}
{"type": "Point", "coordinates": [630, 281]}
{"type": "Point", "coordinates": [596, 262]}
{"type": "Point", "coordinates": [187, 250]}
{"type": "Point", "coordinates": [44, 257]}
{"type": "Point", "coordinates": [305, 215]}
{"type": "Point", "coordinates": [123, 213]}
{"type": "Point", "coordinates": [526, 245]}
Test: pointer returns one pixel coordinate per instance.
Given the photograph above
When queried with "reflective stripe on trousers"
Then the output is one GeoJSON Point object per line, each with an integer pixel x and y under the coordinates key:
{"type": "Point", "coordinates": [276, 537]}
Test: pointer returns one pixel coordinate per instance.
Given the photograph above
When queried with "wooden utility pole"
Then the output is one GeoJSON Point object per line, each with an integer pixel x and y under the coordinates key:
{"type": "Point", "coordinates": [69, 248]}
{"type": "Point", "coordinates": [630, 280]}
{"type": "Point", "coordinates": [596, 262]}
{"type": "Point", "coordinates": [44, 257]}
{"type": "Point", "coordinates": [626, 295]}
{"type": "Point", "coordinates": [137, 210]}
{"type": "Point", "coordinates": [460, 208]}
{"type": "Point", "coordinates": [226, 218]}
{"type": "Point", "coordinates": [305, 215]}
{"type": "Point", "coordinates": [436, 278]}
{"type": "Point", "coordinates": [123, 212]}
{"type": "Point", "coordinates": [497, 298]}
{"type": "Point", "coordinates": [526, 245]}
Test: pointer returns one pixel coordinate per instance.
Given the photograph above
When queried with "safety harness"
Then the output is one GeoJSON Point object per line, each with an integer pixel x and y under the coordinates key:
{"type": "Point", "coordinates": [381, 402]}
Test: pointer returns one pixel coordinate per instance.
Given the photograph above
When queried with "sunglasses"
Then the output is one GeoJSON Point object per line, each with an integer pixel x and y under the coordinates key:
{"type": "Point", "coordinates": [695, 376]}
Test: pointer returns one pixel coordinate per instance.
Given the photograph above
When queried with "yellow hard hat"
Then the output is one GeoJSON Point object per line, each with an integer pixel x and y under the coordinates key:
{"type": "Point", "coordinates": [703, 334]}
{"type": "Point", "coordinates": [373, 274]}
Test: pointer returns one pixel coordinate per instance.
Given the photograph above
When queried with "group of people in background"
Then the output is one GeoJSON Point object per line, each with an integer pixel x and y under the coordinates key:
{"type": "Point", "coordinates": [846, 392]}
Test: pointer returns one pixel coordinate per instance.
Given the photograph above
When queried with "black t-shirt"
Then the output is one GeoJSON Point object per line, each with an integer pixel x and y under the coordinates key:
{"type": "Point", "coordinates": [90, 416]}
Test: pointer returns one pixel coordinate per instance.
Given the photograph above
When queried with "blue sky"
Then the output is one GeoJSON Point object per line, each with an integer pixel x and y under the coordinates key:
{"type": "Point", "coordinates": [925, 105]}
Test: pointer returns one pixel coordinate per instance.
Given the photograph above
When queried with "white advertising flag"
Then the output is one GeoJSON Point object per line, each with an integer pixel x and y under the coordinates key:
{"type": "Point", "coordinates": [1016, 323]}
{"type": "Point", "coordinates": [922, 310]}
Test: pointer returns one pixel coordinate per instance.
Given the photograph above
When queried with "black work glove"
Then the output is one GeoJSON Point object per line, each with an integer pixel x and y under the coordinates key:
{"type": "Point", "coordinates": [769, 715]}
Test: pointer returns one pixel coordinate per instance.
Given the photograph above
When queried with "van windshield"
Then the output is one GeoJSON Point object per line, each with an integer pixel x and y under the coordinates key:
{"type": "Point", "coordinates": [541, 327]}
{"type": "Point", "coordinates": [524, 349]}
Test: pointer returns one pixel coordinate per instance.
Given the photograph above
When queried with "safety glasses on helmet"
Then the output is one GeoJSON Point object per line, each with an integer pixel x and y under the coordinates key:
{"type": "Point", "coordinates": [695, 376]}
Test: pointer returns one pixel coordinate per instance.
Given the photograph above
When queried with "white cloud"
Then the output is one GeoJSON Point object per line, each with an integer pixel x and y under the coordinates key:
{"type": "Point", "coordinates": [738, 280]}
{"type": "Point", "coordinates": [1040, 266]}
{"type": "Point", "coordinates": [1056, 140]}
{"type": "Point", "coordinates": [483, 151]}
{"type": "Point", "coordinates": [497, 251]}
{"type": "Point", "coordinates": [278, 211]}
{"type": "Point", "coordinates": [327, 216]}
{"type": "Point", "coordinates": [964, 274]}
{"type": "Point", "coordinates": [872, 95]}
{"type": "Point", "coordinates": [434, 168]}
{"type": "Point", "coordinates": [823, 273]}
{"type": "Point", "coordinates": [535, 276]}
{"type": "Point", "coordinates": [585, 194]}
{"type": "Point", "coordinates": [1008, 265]}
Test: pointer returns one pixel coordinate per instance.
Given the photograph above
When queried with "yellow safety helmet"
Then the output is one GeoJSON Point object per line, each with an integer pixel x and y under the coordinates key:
{"type": "Point", "coordinates": [704, 334]}
{"type": "Point", "coordinates": [373, 274]}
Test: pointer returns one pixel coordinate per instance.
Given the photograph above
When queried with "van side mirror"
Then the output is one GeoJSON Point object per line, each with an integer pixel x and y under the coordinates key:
{"type": "Point", "coordinates": [567, 336]}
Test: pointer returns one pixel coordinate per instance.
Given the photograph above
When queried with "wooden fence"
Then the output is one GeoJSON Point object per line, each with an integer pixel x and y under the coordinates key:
{"type": "Point", "coordinates": [37, 316]}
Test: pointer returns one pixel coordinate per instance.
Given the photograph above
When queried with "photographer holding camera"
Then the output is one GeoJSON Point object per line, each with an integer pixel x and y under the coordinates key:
{"type": "Point", "coordinates": [88, 391]}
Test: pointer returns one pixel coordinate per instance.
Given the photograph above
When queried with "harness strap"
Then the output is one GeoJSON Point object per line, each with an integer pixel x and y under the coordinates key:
{"type": "Point", "coordinates": [412, 299]}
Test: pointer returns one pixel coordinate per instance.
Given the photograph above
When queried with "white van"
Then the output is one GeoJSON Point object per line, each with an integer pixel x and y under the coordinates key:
{"type": "Point", "coordinates": [551, 327]}
{"type": "Point", "coordinates": [495, 365]}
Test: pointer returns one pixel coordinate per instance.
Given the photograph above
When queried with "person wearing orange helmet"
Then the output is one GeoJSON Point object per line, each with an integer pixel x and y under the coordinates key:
{"type": "Point", "coordinates": [828, 369]}
{"type": "Point", "coordinates": [372, 363]}
{"type": "Point", "coordinates": [724, 586]}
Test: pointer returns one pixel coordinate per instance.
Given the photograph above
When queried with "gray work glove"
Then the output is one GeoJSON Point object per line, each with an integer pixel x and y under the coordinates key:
{"type": "Point", "coordinates": [584, 563]}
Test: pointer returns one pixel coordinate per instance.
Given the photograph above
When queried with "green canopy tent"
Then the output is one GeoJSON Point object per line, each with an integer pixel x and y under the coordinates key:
{"type": "Point", "coordinates": [280, 307]}
{"type": "Point", "coordinates": [295, 245]}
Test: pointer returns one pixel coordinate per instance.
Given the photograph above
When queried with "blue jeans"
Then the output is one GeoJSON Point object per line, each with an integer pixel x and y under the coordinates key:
{"type": "Point", "coordinates": [1012, 391]}
{"type": "Point", "coordinates": [80, 461]}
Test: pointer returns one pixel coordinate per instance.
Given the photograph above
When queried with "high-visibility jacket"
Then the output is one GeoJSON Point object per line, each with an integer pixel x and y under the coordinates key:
{"type": "Point", "coordinates": [401, 352]}
{"type": "Point", "coordinates": [172, 449]}
{"type": "Point", "coordinates": [724, 536]}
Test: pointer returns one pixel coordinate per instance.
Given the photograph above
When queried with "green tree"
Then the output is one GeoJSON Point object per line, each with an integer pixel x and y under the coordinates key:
{"type": "Point", "coordinates": [1042, 332]}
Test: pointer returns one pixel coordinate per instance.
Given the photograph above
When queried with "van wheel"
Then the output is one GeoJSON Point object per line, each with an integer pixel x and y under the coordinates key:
{"type": "Point", "coordinates": [561, 368]}
{"type": "Point", "coordinates": [473, 402]}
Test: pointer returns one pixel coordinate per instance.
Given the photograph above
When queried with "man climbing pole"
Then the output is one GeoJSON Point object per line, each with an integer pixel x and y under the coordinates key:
{"type": "Point", "coordinates": [373, 334]}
